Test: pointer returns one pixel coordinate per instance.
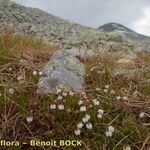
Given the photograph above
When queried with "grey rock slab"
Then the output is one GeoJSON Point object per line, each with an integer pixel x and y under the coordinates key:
{"type": "Point", "coordinates": [62, 69]}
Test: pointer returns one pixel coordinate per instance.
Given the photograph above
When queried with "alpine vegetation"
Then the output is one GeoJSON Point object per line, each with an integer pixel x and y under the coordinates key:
{"type": "Point", "coordinates": [60, 80]}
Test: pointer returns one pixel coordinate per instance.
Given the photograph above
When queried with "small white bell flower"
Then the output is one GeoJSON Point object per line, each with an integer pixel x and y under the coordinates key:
{"type": "Point", "coordinates": [111, 128]}
{"type": "Point", "coordinates": [29, 119]}
{"type": "Point", "coordinates": [11, 91]}
{"type": "Point", "coordinates": [84, 120]}
{"type": "Point", "coordinates": [64, 94]}
{"type": "Point", "coordinates": [89, 126]}
{"type": "Point", "coordinates": [101, 111]}
{"type": "Point", "coordinates": [59, 97]}
{"type": "Point", "coordinates": [77, 132]}
{"type": "Point", "coordinates": [99, 116]}
{"type": "Point", "coordinates": [142, 114]}
{"type": "Point", "coordinates": [108, 133]}
{"type": "Point", "coordinates": [61, 107]}
{"type": "Point", "coordinates": [80, 102]}
{"type": "Point", "coordinates": [80, 125]}
{"type": "Point", "coordinates": [118, 97]}
{"type": "Point", "coordinates": [87, 116]}
{"type": "Point", "coordinates": [52, 106]}
{"type": "Point", "coordinates": [106, 86]}
{"type": "Point", "coordinates": [40, 73]}
{"type": "Point", "coordinates": [83, 108]}
{"type": "Point", "coordinates": [34, 73]}
{"type": "Point", "coordinates": [71, 93]}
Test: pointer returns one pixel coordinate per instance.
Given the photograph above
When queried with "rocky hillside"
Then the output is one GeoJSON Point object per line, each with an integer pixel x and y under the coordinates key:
{"type": "Point", "coordinates": [140, 42]}
{"type": "Point", "coordinates": [66, 34]}
{"type": "Point", "coordinates": [112, 27]}
{"type": "Point", "coordinates": [51, 28]}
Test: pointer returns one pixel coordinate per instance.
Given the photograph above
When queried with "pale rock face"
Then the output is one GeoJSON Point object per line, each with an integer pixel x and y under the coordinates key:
{"type": "Point", "coordinates": [65, 69]}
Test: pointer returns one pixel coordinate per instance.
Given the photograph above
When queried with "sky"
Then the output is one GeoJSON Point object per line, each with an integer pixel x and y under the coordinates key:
{"type": "Point", "coordinates": [134, 14]}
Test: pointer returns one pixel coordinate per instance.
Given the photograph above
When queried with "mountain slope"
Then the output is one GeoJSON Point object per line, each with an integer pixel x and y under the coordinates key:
{"type": "Point", "coordinates": [40, 23]}
{"type": "Point", "coordinates": [111, 27]}
{"type": "Point", "coordinates": [65, 34]}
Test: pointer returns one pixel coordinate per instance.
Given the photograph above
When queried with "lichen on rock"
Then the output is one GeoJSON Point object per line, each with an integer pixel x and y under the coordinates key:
{"type": "Point", "coordinates": [62, 69]}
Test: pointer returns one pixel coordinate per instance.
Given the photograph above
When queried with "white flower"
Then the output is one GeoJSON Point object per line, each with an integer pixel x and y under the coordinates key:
{"type": "Point", "coordinates": [106, 86]}
{"type": "Point", "coordinates": [124, 98]}
{"type": "Point", "coordinates": [108, 133]}
{"type": "Point", "coordinates": [94, 100]}
{"type": "Point", "coordinates": [71, 93]}
{"type": "Point", "coordinates": [61, 107]}
{"type": "Point", "coordinates": [89, 126]}
{"type": "Point", "coordinates": [40, 73]}
{"type": "Point", "coordinates": [80, 102]}
{"type": "Point", "coordinates": [19, 78]}
{"type": "Point", "coordinates": [97, 89]}
{"type": "Point", "coordinates": [34, 72]}
{"type": "Point", "coordinates": [11, 91]}
{"type": "Point", "coordinates": [58, 91]}
{"type": "Point", "coordinates": [10, 69]}
{"type": "Point", "coordinates": [59, 97]}
{"type": "Point", "coordinates": [99, 116]}
{"type": "Point", "coordinates": [80, 125]}
{"type": "Point", "coordinates": [105, 90]}
{"type": "Point", "coordinates": [64, 94]}
{"type": "Point", "coordinates": [118, 97]}
{"type": "Point", "coordinates": [111, 129]}
{"type": "Point", "coordinates": [112, 92]}
{"type": "Point", "coordinates": [84, 120]}
{"type": "Point", "coordinates": [142, 114]}
{"type": "Point", "coordinates": [127, 147]}
{"type": "Point", "coordinates": [96, 103]}
{"type": "Point", "coordinates": [87, 116]}
{"type": "Point", "coordinates": [101, 111]}
{"type": "Point", "coordinates": [52, 106]}
{"type": "Point", "coordinates": [83, 108]}
{"type": "Point", "coordinates": [77, 132]}
{"type": "Point", "coordinates": [29, 119]}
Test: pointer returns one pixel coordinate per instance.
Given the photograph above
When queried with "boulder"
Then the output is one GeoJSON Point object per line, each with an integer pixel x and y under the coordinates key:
{"type": "Point", "coordinates": [62, 69]}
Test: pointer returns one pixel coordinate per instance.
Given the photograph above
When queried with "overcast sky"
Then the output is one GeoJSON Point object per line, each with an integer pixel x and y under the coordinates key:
{"type": "Point", "coordinates": [134, 14]}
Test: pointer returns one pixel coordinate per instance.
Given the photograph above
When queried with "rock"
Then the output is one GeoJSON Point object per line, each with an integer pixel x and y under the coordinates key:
{"type": "Point", "coordinates": [63, 69]}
